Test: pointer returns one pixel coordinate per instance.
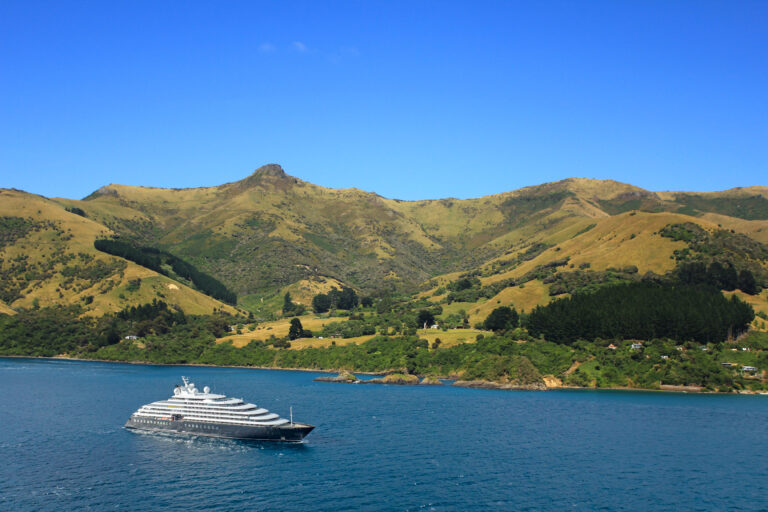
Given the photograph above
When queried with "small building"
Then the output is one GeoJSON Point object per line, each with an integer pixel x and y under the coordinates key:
{"type": "Point", "coordinates": [748, 369]}
{"type": "Point", "coordinates": [611, 347]}
{"type": "Point", "coordinates": [727, 364]}
{"type": "Point", "coordinates": [637, 346]}
{"type": "Point", "coordinates": [435, 326]}
{"type": "Point", "coordinates": [665, 357]}
{"type": "Point", "coordinates": [131, 337]}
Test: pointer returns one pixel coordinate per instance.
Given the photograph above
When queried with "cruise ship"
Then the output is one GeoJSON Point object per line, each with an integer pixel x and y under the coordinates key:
{"type": "Point", "coordinates": [190, 411]}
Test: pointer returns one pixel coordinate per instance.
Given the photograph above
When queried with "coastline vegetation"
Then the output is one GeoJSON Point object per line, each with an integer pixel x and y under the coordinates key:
{"type": "Point", "coordinates": [515, 354]}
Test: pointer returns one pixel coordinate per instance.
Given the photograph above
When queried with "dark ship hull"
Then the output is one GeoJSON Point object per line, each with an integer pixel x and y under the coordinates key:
{"type": "Point", "coordinates": [293, 433]}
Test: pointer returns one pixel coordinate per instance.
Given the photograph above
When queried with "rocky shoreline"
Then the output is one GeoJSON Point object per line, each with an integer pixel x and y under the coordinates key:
{"type": "Point", "coordinates": [401, 379]}
{"type": "Point", "coordinates": [398, 379]}
{"type": "Point", "coordinates": [484, 384]}
{"type": "Point", "coordinates": [426, 381]}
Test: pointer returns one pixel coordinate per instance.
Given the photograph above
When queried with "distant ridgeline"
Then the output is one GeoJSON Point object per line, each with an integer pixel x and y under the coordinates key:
{"type": "Point", "coordinates": [160, 261]}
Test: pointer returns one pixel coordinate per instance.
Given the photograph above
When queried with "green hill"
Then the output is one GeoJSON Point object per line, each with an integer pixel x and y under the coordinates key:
{"type": "Point", "coordinates": [47, 258]}
{"type": "Point", "coordinates": [130, 273]}
{"type": "Point", "coordinates": [270, 231]}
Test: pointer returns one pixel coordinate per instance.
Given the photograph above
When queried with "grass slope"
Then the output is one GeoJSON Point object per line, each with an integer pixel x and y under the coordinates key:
{"type": "Point", "coordinates": [55, 263]}
{"type": "Point", "coordinates": [270, 232]}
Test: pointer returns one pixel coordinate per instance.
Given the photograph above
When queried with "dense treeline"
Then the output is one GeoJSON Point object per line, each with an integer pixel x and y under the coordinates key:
{"type": "Point", "coordinates": [155, 259]}
{"type": "Point", "coordinates": [721, 276]}
{"type": "Point", "coordinates": [346, 298]}
{"type": "Point", "coordinates": [76, 211]}
{"type": "Point", "coordinates": [47, 332]}
{"type": "Point", "coordinates": [172, 338]}
{"type": "Point", "coordinates": [643, 311]}
{"type": "Point", "coordinates": [494, 359]}
{"type": "Point", "coordinates": [721, 258]}
{"type": "Point", "coordinates": [58, 330]}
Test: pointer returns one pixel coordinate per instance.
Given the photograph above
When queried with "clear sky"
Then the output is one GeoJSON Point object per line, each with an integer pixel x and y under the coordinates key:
{"type": "Point", "coordinates": [412, 99]}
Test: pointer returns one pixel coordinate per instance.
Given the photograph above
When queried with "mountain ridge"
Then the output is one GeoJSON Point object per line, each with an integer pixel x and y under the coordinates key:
{"type": "Point", "coordinates": [270, 230]}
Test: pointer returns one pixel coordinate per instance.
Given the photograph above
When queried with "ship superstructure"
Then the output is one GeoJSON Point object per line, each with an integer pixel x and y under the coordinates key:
{"type": "Point", "coordinates": [191, 411]}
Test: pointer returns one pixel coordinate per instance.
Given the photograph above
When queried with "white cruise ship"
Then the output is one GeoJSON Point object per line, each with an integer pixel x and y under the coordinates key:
{"type": "Point", "coordinates": [190, 411]}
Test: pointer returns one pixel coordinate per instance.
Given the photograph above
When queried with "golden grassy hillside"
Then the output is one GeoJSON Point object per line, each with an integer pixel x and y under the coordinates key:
{"type": "Point", "coordinates": [6, 310]}
{"type": "Point", "coordinates": [271, 233]}
{"type": "Point", "coordinates": [732, 192]}
{"type": "Point", "coordinates": [56, 263]}
{"type": "Point", "coordinates": [302, 292]}
{"type": "Point", "coordinates": [628, 239]}
{"type": "Point", "coordinates": [757, 229]}
{"type": "Point", "coordinates": [619, 241]}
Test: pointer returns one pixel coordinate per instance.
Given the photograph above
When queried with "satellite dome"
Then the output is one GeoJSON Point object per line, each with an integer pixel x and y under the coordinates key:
{"type": "Point", "coordinates": [206, 389]}
{"type": "Point", "coordinates": [176, 391]}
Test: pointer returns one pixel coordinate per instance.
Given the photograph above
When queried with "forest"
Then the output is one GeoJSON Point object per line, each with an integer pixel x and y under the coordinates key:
{"type": "Point", "coordinates": [158, 333]}
{"type": "Point", "coordinates": [161, 261]}
{"type": "Point", "coordinates": [643, 311]}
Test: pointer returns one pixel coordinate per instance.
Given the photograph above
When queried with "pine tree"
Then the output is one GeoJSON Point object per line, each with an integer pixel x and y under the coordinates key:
{"type": "Point", "coordinates": [501, 319]}
{"type": "Point", "coordinates": [296, 329]}
{"type": "Point", "coordinates": [321, 303]}
{"type": "Point", "coordinates": [288, 305]}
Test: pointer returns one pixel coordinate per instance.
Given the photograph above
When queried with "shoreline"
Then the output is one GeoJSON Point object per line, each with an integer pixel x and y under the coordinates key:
{"type": "Point", "coordinates": [683, 390]}
{"type": "Point", "coordinates": [200, 365]}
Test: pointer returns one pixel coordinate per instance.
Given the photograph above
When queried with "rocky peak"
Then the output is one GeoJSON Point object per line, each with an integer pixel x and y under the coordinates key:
{"type": "Point", "coordinates": [271, 175]}
{"type": "Point", "coordinates": [270, 170]}
{"type": "Point", "coordinates": [106, 190]}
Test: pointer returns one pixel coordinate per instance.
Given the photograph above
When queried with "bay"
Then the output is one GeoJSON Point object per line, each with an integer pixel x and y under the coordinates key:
{"type": "Point", "coordinates": [62, 446]}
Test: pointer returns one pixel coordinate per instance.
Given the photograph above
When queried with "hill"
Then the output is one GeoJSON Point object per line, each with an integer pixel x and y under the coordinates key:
{"type": "Point", "coordinates": [130, 273]}
{"type": "Point", "coordinates": [47, 258]}
{"type": "Point", "coordinates": [271, 232]}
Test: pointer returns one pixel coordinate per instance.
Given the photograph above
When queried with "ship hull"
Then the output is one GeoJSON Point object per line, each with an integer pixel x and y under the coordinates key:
{"type": "Point", "coordinates": [291, 433]}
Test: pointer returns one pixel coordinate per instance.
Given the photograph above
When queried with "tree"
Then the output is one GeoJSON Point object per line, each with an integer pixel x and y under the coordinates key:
{"type": "Point", "coordinates": [281, 343]}
{"type": "Point", "coordinates": [296, 329]}
{"type": "Point", "coordinates": [349, 299]}
{"type": "Point", "coordinates": [288, 305]}
{"type": "Point", "coordinates": [321, 303]}
{"type": "Point", "coordinates": [346, 298]}
{"type": "Point", "coordinates": [425, 317]}
{"type": "Point", "coordinates": [724, 277]}
{"type": "Point", "coordinates": [465, 284]}
{"type": "Point", "coordinates": [747, 282]}
{"type": "Point", "coordinates": [366, 302]}
{"type": "Point", "coordinates": [501, 319]}
{"type": "Point", "coordinates": [643, 311]}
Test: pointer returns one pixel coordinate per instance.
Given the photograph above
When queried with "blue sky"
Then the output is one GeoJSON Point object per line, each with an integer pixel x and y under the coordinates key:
{"type": "Point", "coordinates": [408, 99]}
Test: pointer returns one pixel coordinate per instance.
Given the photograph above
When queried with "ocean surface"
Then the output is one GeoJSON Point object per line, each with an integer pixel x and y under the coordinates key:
{"type": "Point", "coordinates": [62, 446]}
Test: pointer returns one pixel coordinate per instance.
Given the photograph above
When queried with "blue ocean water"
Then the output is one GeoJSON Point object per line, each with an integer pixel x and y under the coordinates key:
{"type": "Point", "coordinates": [62, 446]}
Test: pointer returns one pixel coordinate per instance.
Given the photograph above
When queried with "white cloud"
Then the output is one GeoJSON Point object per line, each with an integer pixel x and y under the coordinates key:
{"type": "Point", "coordinates": [266, 48]}
{"type": "Point", "coordinates": [299, 46]}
